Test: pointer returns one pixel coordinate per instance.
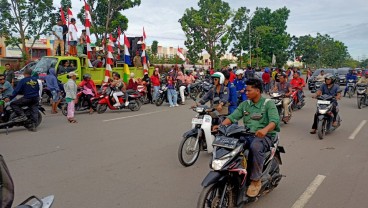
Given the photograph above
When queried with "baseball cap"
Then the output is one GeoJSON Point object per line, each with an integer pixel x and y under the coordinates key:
{"type": "Point", "coordinates": [72, 74]}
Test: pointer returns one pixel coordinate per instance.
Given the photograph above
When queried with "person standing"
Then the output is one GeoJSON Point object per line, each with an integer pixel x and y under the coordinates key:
{"type": "Point", "coordinates": [73, 38]}
{"type": "Point", "coordinates": [155, 80]}
{"type": "Point", "coordinates": [172, 95]}
{"type": "Point", "coordinates": [71, 95]}
{"type": "Point", "coordinates": [52, 84]}
{"type": "Point", "coordinates": [65, 32]}
{"type": "Point", "coordinates": [147, 81]}
{"type": "Point", "coordinates": [83, 41]}
{"type": "Point", "coordinates": [9, 74]}
{"type": "Point", "coordinates": [266, 80]}
{"type": "Point", "coordinates": [137, 60]}
{"type": "Point", "coordinates": [309, 74]}
{"type": "Point", "coordinates": [57, 31]}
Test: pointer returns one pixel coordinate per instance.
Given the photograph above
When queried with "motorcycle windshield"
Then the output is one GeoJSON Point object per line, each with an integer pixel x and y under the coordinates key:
{"type": "Point", "coordinates": [6, 186]}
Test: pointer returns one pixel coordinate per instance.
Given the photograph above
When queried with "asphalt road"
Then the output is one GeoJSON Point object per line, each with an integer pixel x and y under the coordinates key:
{"type": "Point", "coordinates": [129, 159]}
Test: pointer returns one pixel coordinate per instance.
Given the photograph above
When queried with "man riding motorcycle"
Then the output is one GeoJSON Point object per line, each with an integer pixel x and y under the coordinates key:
{"type": "Point", "coordinates": [332, 89]}
{"type": "Point", "coordinates": [321, 76]}
{"type": "Point", "coordinates": [285, 88]}
{"type": "Point", "coordinates": [233, 96]}
{"type": "Point", "coordinates": [350, 75]}
{"type": "Point", "coordinates": [364, 80]}
{"type": "Point", "coordinates": [6, 90]}
{"type": "Point", "coordinates": [262, 117]}
{"type": "Point", "coordinates": [220, 91]}
{"type": "Point", "coordinates": [298, 83]}
{"type": "Point", "coordinates": [29, 87]}
{"type": "Point", "coordinates": [239, 83]}
{"type": "Point", "coordinates": [119, 86]}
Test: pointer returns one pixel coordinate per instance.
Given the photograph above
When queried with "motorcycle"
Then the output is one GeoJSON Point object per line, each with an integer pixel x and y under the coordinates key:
{"type": "Point", "coordinates": [325, 115]}
{"type": "Point", "coordinates": [295, 99]}
{"type": "Point", "coordinates": [317, 86]}
{"type": "Point", "coordinates": [200, 137]}
{"type": "Point", "coordinates": [278, 99]}
{"type": "Point", "coordinates": [107, 101]}
{"type": "Point", "coordinates": [226, 184]}
{"type": "Point", "coordinates": [362, 95]}
{"type": "Point", "coordinates": [351, 87]}
{"type": "Point", "coordinates": [142, 90]}
{"type": "Point", "coordinates": [7, 120]}
{"type": "Point", "coordinates": [162, 96]}
{"type": "Point", "coordinates": [7, 192]}
{"type": "Point", "coordinates": [82, 104]}
{"type": "Point", "coordinates": [205, 87]}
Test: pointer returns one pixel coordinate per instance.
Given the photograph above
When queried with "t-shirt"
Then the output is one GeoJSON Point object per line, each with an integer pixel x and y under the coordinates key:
{"type": "Point", "coordinates": [73, 30]}
{"type": "Point", "coordinates": [8, 89]}
{"type": "Point", "coordinates": [58, 31]}
{"type": "Point", "coordinates": [283, 87]}
{"type": "Point", "coordinates": [329, 91]}
{"type": "Point", "coordinates": [297, 83]}
{"type": "Point", "coordinates": [9, 75]}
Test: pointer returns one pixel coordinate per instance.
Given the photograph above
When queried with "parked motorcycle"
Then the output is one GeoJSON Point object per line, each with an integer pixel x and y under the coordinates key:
{"type": "Point", "coordinates": [142, 90]}
{"type": "Point", "coordinates": [362, 95]}
{"type": "Point", "coordinates": [7, 192]}
{"type": "Point", "coordinates": [82, 104]}
{"type": "Point", "coordinates": [107, 101]}
{"type": "Point", "coordinates": [226, 184]}
{"type": "Point", "coordinates": [351, 87]}
{"type": "Point", "coordinates": [205, 87]}
{"type": "Point", "coordinates": [162, 96]}
{"type": "Point", "coordinates": [278, 99]}
{"type": "Point", "coordinates": [7, 119]}
{"type": "Point", "coordinates": [200, 137]}
{"type": "Point", "coordinates": [325, 115]}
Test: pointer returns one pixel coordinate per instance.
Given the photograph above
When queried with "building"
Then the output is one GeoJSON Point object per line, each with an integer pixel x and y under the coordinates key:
{"type": "Point", "coordinates": [168, 52]}
{"type": "Point", "coordinates": [207, 61]}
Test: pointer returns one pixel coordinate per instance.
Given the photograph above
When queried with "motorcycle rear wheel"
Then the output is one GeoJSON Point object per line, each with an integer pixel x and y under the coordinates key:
{"type": "Point", "coordinates": [159, 101]}
{"type": "Point", "coordinates": [186, 153]}
{"type": "Point", "coordinates": [101, 108]}
{"type": "Point", "coordinates": [211, 195]}
{"type": "Point", "coordinates": [64, 109]}
{"type": "Point", "coordinates": [321, 129]}
{"type": "Point", "coordinates": [360, 102]}
{"type": "Point", "coordinates": [351, 92]}
{"type": "Point", "coordinates": [194, 93]}
{"type": "Point", "coordinates": [137, 105]}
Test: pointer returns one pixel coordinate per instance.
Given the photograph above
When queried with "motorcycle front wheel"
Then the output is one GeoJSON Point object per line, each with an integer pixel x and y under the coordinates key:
{"type": "Point", "coordinates": [321, 129]}
{"type": "Point", "coordinates": [101, 108]}
{"type": "Point", "coordinates": [187, 153]}
{"type": "Point", "coordinates": [136, 106]}
{"type": "Point", "coordinates": [159, 101]}
{"type": "Point", "coordinates": [360, 102]}
{"type": "Point", "coordinates": [211, 196]}
{"type": "Point", "coordinates": [64, 109]}
{"type": "Point", "coordinates": [351, 92]}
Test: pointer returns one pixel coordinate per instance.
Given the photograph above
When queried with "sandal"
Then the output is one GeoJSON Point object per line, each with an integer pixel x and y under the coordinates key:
{"type": "Point", "coordinates": [72, 121]}
{"type": "Point", "coordinates": [313, 131]}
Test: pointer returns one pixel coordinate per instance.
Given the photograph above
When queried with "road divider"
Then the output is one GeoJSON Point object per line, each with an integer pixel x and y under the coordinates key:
{"type": "Point", "coordinates": [357, 130]}
{"type": "Point", "coordinates": [125, 117]}
{"type": "Point", "coordinates": [308, 193]}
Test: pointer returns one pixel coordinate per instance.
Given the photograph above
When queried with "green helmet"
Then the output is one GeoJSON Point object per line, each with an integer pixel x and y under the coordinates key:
{"type": "Point", "coordinates": [220, 76]}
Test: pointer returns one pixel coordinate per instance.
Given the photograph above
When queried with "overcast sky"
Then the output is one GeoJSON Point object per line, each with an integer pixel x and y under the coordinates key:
{"type": "Point", "coordinates": [344, 20]}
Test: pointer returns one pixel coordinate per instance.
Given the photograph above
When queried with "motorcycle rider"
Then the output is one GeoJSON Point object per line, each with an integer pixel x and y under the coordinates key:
{"type": "Point", "coordinates": [283, 87]}
{"type": "Point", "coordinates": [350, 75]}
{"type": "Point", "coordinates": [89, 90]}
{"type": "Point", "coordinates": [29, 87]}
{"type": "Point", "coordinates": [321, 76]}
{"type": "Point", "coordinates": [233, 96]}
{"type": "Point", "coordinates": [298, 83]}
{"type": "Point", "coordinates": [220, 91]}
{"type": "Point", "coordinates": [6, 90]}
{"type": "Point", "coordinates": [119, 86]}
{"type": "Point", "coordinates": [239, 83]}
{"type": "Point", "coordinates": [261, 116]}
{"type": "Point", "coordinates": [332, 89]}
{"type": "Point", "coordinates": [362, 80]}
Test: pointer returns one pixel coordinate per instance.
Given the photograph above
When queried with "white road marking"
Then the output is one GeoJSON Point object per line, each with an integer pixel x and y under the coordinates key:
{"type": "Point", "coordinates": [142, 114]}
{"type": "Point", "coordinates": [356, 131]}
{"type": "Point", "coordinates": [308, 193]}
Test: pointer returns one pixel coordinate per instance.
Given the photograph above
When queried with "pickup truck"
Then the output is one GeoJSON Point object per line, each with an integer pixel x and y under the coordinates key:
{"type": "Point", "coordinates": [65, 64]}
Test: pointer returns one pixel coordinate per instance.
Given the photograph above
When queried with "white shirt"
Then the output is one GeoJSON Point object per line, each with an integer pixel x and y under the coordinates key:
{"type": "Point", "coordinates": [58, 31]}
{"type": "Point", "coordinates": [73, 30]}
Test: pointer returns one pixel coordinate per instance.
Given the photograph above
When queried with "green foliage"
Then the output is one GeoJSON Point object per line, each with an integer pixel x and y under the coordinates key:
{"type": "Point", "coordinates": [206, 29]}
{"type": "Point", "coordinates": [154, 47]}
{"type": "Point", "coordinates": [107, 17]}
{"type": "Point", "coordinates": [322, 51]}
{"type": "Point", "coordinates": [25, 19]}
{"type": "Point", "coordinates": [364, 63]}
{"type": "Point", "coordinates": [238, 33]}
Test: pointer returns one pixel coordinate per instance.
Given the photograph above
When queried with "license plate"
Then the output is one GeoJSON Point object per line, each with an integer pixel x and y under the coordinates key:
{"type": "Point", "coordinates": [350, 84]}
{"type": "Point", "coordinates": [226, 142]}
{"type": "Point", "coordinates": [341, 80]}
{"type": "Point", "coordinates": [197, 121]}
{"type": "Point", "coordinates": [324, 102]}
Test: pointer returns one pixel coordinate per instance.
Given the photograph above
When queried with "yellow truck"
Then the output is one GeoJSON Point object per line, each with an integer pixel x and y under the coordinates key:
{"type": "Point", "coordinates": [65, 64]}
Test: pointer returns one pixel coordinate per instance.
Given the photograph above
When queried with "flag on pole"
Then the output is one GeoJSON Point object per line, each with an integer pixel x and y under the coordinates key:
{"type": "Point", "coordinates": [126, 51]}
{"type": "Point", "coordinates": [87, 25]}
{"type": "Point", "coordinates": [109, 60]}
{"type": "Point", "coordinates": [119, 33]}
{"type": "Point", "coordinates": [144, 56]}
{"type": "Point", "coordinates": [180, 54]}
{"type": "Point", "coordinates": [70, 15]}
{"type": "Point", "coordinates": [62, 16]}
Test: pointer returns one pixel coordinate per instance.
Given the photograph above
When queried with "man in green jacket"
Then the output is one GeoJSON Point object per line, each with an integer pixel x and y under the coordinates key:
{"type": "Point", "coordinates": [262, 118]}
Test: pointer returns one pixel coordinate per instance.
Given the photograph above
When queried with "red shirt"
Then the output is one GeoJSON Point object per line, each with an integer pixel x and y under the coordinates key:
{"type": "Point", "coordinates": [132, 85]}
{"type": "Point", "coordinates": [266, 78]}
{"type": "Point", "coordinates": [232, 77]}
{"type": "Point", "coordinates": [155, 80]}
{"type": "Point", "coordinates": [297, 83]}
{"type": "Point", "coordinates": [212, 71]}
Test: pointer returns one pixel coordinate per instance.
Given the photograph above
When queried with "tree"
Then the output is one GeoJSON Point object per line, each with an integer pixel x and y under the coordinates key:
{"type": "Point", "coordinates": [106, 16]}
{"type": "Point", "coordinates": [22, 20]}
{"type": "Point", "coordinates": [65, 4]}
{"type": "Point", "coordinates": [154, 47]}
{"type": "Point", "coordinates": [206, 29]}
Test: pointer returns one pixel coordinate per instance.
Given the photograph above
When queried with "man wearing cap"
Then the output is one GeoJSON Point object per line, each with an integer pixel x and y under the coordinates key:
{"type": "Point", "coordinates": [29, 87]}
{"type": "Point", "coordinates": [73, 38]}
{"type": "Point", "coordinates": [71, 95]}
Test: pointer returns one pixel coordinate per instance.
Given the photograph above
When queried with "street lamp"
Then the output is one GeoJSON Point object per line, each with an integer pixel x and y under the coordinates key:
{"type": "Point", "coordinates": [250, 43]}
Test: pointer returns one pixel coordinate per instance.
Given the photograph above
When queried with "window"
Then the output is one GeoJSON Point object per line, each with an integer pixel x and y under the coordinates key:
{"type": "Point", "coordinates": [38, 53]}
{"type": "Point", "coordinates": [67, 66]}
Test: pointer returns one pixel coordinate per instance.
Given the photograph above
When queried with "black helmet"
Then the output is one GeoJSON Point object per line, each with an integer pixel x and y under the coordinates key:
{"type": "Point", "coordinates": [331, 77]}
{"type": "Point", "coordinates": [86, 76]}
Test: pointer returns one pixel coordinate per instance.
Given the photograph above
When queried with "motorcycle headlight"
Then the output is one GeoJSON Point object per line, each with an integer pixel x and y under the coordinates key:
{"type": "Point", "coordinates": [199, 109]}
{"type": "Point", "coordinates": [322, 111]}
{"type": "Point", "coordinates": [217, 164]}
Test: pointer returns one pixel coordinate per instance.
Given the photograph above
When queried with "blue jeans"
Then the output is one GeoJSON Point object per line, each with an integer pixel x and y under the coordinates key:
{"type": "Point", "coordinates": [155, 92]}
{"type": "Point", "coordinates": [172, 97]}
{"type": "Point", "coordinates": [266, 87]}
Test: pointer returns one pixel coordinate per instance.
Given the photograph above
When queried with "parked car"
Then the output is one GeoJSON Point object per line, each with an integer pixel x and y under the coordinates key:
{"type": "Point", "coordinates": [312, 80]}
{"type": "Point", "coordinates": [341, 75]}
{"type": "Point", "coordinates": [18, 75]}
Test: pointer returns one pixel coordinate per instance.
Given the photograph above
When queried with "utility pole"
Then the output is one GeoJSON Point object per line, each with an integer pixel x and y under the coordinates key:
{"type": "Point", "coordinates": [250, 42]}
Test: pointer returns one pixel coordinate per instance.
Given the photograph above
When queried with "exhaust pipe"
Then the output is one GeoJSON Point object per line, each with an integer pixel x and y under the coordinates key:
{"type": "Point", "coordinates": [9, 123]}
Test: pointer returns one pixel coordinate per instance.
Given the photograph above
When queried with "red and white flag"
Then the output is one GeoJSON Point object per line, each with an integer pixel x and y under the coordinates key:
{"type": "Point", "coordinates": [180, 54]}
{"type": "Point", "coordinates": [62, 16]}
{"type": "Point", "coordinates": [87, 25]}
{"type": "Point", "coordinates": [109, 60]}
{"type": "Point", "coordinates": [144, 57]}
{"type": "Point", "coordinates": [119, 33]}
{"type": "Point", "coordinates": [70, 15]}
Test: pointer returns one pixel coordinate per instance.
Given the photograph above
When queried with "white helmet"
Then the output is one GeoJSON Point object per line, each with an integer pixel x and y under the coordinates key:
{"type": "Point", "coordinates": [220, 76]}
{"type": "Point", "coordinates": [132, 75]}
{"type": "Point", "coordinates": [239, 71]}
